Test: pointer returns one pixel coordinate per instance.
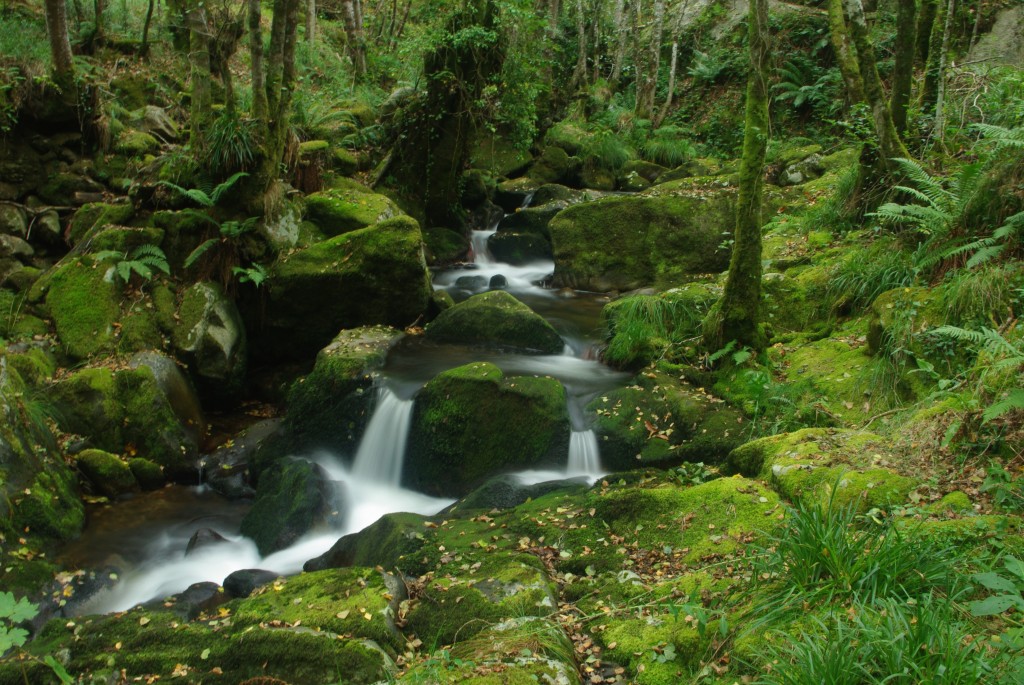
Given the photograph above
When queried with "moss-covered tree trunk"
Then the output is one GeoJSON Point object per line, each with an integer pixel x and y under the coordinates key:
{"type": "Point", "coordinates": [620, 21]}
{"type": "Point", "coordinates": [649, 63]}
{"type": "Point", "coordinates": [310, 21]}
{"type": "Point", "coordinates": [933, 65]}
{"type": "Point", "coordinates": [355, 38]}
{"type": "Point", "coordinates": [199, 63]}
{"type": "Point", "coordinates": [60, 44]}
{"type": "Point", "coordinates": [737, 315]}
{"type": "Point", "coordinates": [846, 54]}
{"type": "Point", "coordinates": [259, 95]}
{"type": "Point", "coordinates": [903, 71]}
{"type": "Point", "coordinates": [925, 21]}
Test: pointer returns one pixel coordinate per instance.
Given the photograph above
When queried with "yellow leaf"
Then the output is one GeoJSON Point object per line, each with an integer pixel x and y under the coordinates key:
{"type": "Point", "coordinates": [343, 614]}
{"type": "Point", "coordinates": [143, 621]}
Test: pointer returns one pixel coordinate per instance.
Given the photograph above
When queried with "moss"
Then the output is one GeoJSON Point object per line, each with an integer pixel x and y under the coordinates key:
{"type": "Point", "coordinates": [50, 507]}
{"type": "Point", "coordinates": [394, 541]}
{"type": "Point", "coordinates": [900, 316]}
{"type": "Point", "coordinates": [659, 419]}
{"type": "Point", "coordinates": [121, 238]}
{"type": "Point", "coordinates": [97, 215]}
{"type": "Point", "coordinates": [344, 162]}
{"type": "Point", "coordinates": [496, 319]}
{"type": "Point", "coordinates": [956, 502]}
{"type": "Point", "coordinates": [109, 475]}
{"type": "Point", "coordinates": [498, 155]}
{"type": "Point", "coordinates": [293, 498]}
{"type": "Point", "coordinates": [376, 275]}
{"type": "Point", "coordinates": [554, 166]}
{"type": "Point", "coordinates": [35, 365]}
{"type": "Point", "coordinates": [471, 422]}
{"type": "Point", "coordinates": [342, 209]}
{"type": "Point", "coordinates": [329, 408]}
{"type": "Point", "coordinates": [84, 304]}
{"type": "Point", "coordinates": [444, 246]}
{"type": "Point", "coordinates": [623, 243]}
{"type": "Point", "coordinates": [183, 232]}
{"type": "Point", "coordinates": [136, 143]}
{"type": "Point", "coordinates": [519, 248]}
{"type": "Point", "coordinates": [147, 473]}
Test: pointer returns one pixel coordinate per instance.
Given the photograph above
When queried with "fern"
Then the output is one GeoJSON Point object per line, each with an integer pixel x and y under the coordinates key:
{"type": "Point", "coordinates": [142, 261]}
{"type": "Point", "coordinates": [1009, 356]}
{"type": "Point", "coordinates": [1001, 136]}
{"type": "Point", "coordinates": [204, 197]}
{"type": "Point", "coordinates": [1013, 400]}
{"type": "Point", "coordinates": [195, 254]}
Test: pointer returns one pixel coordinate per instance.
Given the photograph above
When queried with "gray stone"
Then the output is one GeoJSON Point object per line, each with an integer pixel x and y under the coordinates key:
{"type": "Point", "coordinates": [210, 335]}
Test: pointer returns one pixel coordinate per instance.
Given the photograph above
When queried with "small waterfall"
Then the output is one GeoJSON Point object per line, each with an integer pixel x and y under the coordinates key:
{"type": "Point", "coordinates": [584, 454]}
{"type": "Point", "coordinates": [382, 449]}
{"type": "Point", "coordinates": [481, 255]}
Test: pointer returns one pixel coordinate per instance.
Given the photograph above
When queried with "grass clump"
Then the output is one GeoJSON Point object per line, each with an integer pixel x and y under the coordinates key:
{"type": "Point", "coordinates": [867, 273]}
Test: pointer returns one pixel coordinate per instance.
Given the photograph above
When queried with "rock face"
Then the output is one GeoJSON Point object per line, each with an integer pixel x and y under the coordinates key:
{"type": "Point", "coordinates": [495, 319]}
{"type": "Point", "coordinates": [293, 497]}
{"type": "Point", "coordinates": [210, 336]}
{"type": "Point", "coordinates": [109, 475]}
{"type": "Point", "coordinates": [375, 275]}
{"type": "Point", "coordinates": [472, 422]}
{"type": "Point", "coordinates": [84, 305]}
{"type": "Point", "coordinates": [348, 207]}
{"type": "Point", "coordinates": [623, 243]}
{"type": "Point", "coordinates": [124, 411]}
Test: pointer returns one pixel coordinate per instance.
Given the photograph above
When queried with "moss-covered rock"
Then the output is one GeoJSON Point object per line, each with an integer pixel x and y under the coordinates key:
{"type": "Point", "coordinates": [533, 219]}
{"type": "Point", "coordinates": [183, 231]}
{"type": "Point", "coordinates": [329, 408]}
{"type": "Point", "coordinates": [96, 215]}
{"type": "Point", "coordinates": [393, 541]}
{"type": "Point", "coordinates": [121, 239]}
{"type": "Point", "coordinates": [444, 246]}
{"type": "Point", "coordinates": [554, 166]}
{"type": "Point", "coordinates": [844, 465]}
{"type": "Point", "coordinates": [659, 419]}
{"type": "Point", "coordinates": [623, 243]}
{"type": "Point", "coordinates": [148, 474]}
{"type": "Point", "coordinates": [136, 143]}
{"type": "Point", "coordinates": [648, 171]}
{"type": "Point", "coordinates": [210, 336]}
{"type": "Point", "coordinates": [126, 412]}
{"type": "Point", "coordinates": [471, 422]}
{"type": "Point", "coordinates": [519, 248]}
{"type": "Point", "coordinates": [498, 155]}
{"type": "Point", "coordinates": [84, 304]}
{"type": "Point", "coordinates": [376, 275]}
{"type": "Point", "coordinates": [902, 317]}
{"type": "Point", "coordinates": [293, 498]}
{"type": "Point", "coordinates": [109, 475]}
{"type": "Point", "coordinates": [348, 207]}
{"type": "Point", "coordinates": [495, 319]}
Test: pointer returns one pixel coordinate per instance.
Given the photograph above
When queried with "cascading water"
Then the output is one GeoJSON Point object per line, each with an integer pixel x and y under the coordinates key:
{"type": "Point", "coordinates": [478, 242]}
{"type": "Point", "coordinates": [584, 454]}
{"type": "Point", "coordinates": [382, 450]}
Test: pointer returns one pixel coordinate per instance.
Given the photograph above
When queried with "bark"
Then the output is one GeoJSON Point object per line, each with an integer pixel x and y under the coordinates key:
{"type": "Point", "coordinates": [903, 71]}
{"type": "Point", "coordinates": [259, 95]}
{"type": "Point", "coordinates": [310, 21]}
{"type": "Point", "coordinates": [977, 23]}
{"type": "Point", "coordinates": [354, 36]}
{"type": "Point", "coordinates": [737, 315]}
{"type": "Point", "coordinates": [647, 69]}
{"type": "Point", "coordinates": [671, 85]}
{"type": "Point", "coordinates": [99, 8]}
{"type": "Point", "coordinates": [940, 97]}
{"type": "Point", "coordinates": [579, 74]}
{"type": "Point", "coordinates": [60, 44]}
{"type": "Point", "coordinates": [79, 11]}
{"type": "Point", "coordinates": [554, 11]}
{"type": "Point", "coordinates": [621, 28]}
{"type": "Point", "coordinates": [199, 63]}
{"type": "Point", "coordinates": [145, 26]}
{"type": "Point", "coordinates": [925, 21]}
{"type": "Point", "coordinates": [933, 68]}
{"type": "Point", "coordinates": [846, 53]}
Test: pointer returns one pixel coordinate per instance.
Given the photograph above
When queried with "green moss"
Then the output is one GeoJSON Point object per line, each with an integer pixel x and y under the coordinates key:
{"type": "Point", "coordinates": [109, 475]}
{"type": "Point", "coordinates": [553, 166]}
{"type": "Point", "coordinates": [956, 502]}
{"type": "Point", "coordinates": [659, 419]}
{"type": "Point", "coordinates": [342, 209]}
{"type": "Point", "coordinates": [50, 507]}
{"type": "Point", "coordinates": [623, 243]}
{"type": "Point", "coordinates": [471, 422]}
{"type": "Point", "coordinates": [498, 155]}
{"type": "Point", "coordinates": [444, 246]}
{"type": "Point", "coordinates": [147, 473]}
{"type": "Point", "coordinates": [122, 239]}
{"type": "Point", "coordinates": [84, 304]}
{"type": "Point", "coordinates": [344, 162]}
{"type": "Point", "coordinates": [293, 497]}
{"type": "Point", "coordinates": [97, 215]}
{"type": "Point", "coordinates": [394, 541]}
{"type": "Point", "coordinates": [136, 143]}
{"type": "Point", "coordinates": [183, 232]}
{"type": "Point", "coordinates": [495, 319]}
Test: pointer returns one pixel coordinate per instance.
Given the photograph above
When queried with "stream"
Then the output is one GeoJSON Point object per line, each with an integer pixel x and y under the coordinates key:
{"type": "Point", "coordinates": [146, 537]}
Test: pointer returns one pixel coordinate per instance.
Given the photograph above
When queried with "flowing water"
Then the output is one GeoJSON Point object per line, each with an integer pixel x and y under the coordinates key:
{"type": "Point", "coordinates": [150, 541]}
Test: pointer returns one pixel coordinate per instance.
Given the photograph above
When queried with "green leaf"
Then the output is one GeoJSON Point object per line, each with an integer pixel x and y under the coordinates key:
{"type": "Point", "coordinates": [1015, 566]}
{"type": "Point", "coordinates": [11, 637]}
{"type": "Point", "coordinates": [200, 250]}
{"type": "Point", "coordinates": [58, 670]}
{"type": "Point", "coordinates": [994, 581]}
{"type": "Point", "coordinates": [996, 604]}
{"type": "Point", "coordinates": [18, 610]}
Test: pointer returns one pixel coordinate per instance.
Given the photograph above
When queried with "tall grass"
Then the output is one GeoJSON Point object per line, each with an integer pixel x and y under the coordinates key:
{"type": "Point", "coordinates": [643, 328]}
{"type": "Point", "coordinates": [866, 273]}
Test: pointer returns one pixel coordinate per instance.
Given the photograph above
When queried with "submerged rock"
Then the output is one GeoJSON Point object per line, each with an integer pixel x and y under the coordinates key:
{"type": "Point", "coordinates": [472, 422]}
{"type": "Point", "coordinates": [495, 319]}
{"type": "Point", "coordinates": [203, 538]}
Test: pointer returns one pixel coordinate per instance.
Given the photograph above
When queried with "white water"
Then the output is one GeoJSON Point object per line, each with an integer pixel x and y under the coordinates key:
{"type": "Point", "coordinates": [584, 454]}
{"type": "Point", "coordinates": [478, 241]}
{"type": "Point", "coordinates": [382, 449]}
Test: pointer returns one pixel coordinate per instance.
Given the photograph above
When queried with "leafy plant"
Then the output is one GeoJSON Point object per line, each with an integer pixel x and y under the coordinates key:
{"type": "Point", "coordinates": [229, 231]}
{"type": "Point", "coordinates": [141, 261]}
{"type": "Point", "coordinates": [13, 612]}
{"type": "Point", "coordinates": [867, 273]}
{"type": "Point", "coordinates": [706, 68]}
{"type": "Point", "coordinates": [669, 146]}
{"type": "Point", "coordinates": [232, 144]}
{"type": "Point", "coordinates": [1007, 490]}
{"type": "Point", "coordinates": [255, 274]}
{"type": "Point", "coordinates": [800, 83]}
{"type": "Point", "coordinates": [990, 247]}
{"type": "Point", "coordinates": [1005, 355]}
{"type": "Point", "coordinates": [938, 208]}
{"type": "Point", "coordinates": [207, 196]}
{"type": "Point", "coordinates": [1006, 588]}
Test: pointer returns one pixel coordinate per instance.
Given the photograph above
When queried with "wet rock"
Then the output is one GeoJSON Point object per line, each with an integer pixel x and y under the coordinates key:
{"type": "Point", "coordinates": [210, 335]}
{"type": "Point", "coordinates": [227, 469]}
{"type": "Point", "coordinates": [497, 282]}
{"type": "Point", "coordinates": [471, 282]}
{"type": "Point", "coordinates": [391, 542]}
{"type": "Point", "coordinates": [472, 422]}
{"type": "Point", "coordinates": [805, 170]}
{"type": "Point", "coordinates": [292, 498]}
{"type": "Point", "coordinates": [203, 538]}
{"type": "Point", "coordinates": [13, 246]}
{"type": "Point", "coordinates": [13, 220]}
{"type": "Point", "coordinates": [519, 248]}
{"type": "Point", "coordinates": [240, 584]}
{"type": "Point", "coordinates": [495, 319]}
{"type": "Point", "coordinates": [507, 491]}
{"type": "Point", "coordinates": [444, 246]}
{"type": "Point", "coordinates": [197, 599]}
{"type": "Point", "coordinates": [109, 475]}
{"type": "Point", "coordinates": [155, 120]}
{"type": "Point", "coordinates": [348, 206]}
{"type": "Point", "coordinates": [176, 388]}
{"type": "Point", "coordinates": [485, 217]}
{"type": "Point", "coordinates": [554, 166]}
{"type": "Point", "coordinates": [511, 195]}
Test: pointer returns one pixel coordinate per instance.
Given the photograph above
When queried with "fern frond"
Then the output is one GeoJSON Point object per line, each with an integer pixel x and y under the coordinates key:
{"type": "Point", "coordinates": [104, 255]}
{"type": "Point", "coordinates": [224, 187]}
{"type": "Point", "coordinates": [124, 270]}
{"type": "Point", "coordinates": [141, 268]}
{"type": "Point", "coordinates": [984, 254]}
{"type": "Point", "coordinates": [1001, 136]}
{"type": "Point", "coordinates": [200, 250]}
{"type": "Point", "coordinates": [1014, 400]}
{"type": "Point", "coordinates": [930, 186]}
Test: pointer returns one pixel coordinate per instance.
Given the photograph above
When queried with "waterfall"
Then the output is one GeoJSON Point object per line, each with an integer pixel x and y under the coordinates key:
{"type": "Point", "coordinates": [584, 455]}
{"type": "Point", "coordinates": [481, 255]}
{"type": "Point", "coordinates": [382, 449]}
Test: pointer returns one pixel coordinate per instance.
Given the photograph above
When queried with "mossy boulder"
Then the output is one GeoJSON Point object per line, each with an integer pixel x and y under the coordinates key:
{"type": "Point", "coordinates": [902, 317]}
{"type": "Point", "coordinates": [375, 275]}
{"type": "Point", "coordinates": [329, 408]}
{"type": "Point", "coordinates": [38, 492]}
{"type": "Point", "coordinates": [84, 303]}
{"type": "Point", "coordinates": [472, 422]}
{"type": "Point", "coordinates": [495, 319]}
{"type": "Point", "coordinates": [136, 143]}
{"type": "Point", "coordinates": [513, 194]}
{"type": "Point", "coordinates": [444, 246]}
{"type": "Point", "coordinates": [121, 239]}
{"type": "Point", "coordinates": [293, 498]}
{"type": "Point", "coordinates": [623, 243]}
{"type": "Point", "coordinates": [209, 335]}
{"type": "Point", "coordinates": [844, 465]}
{"type": "Point", "coordinates": [97, 215]}
{"type": "Point", "coordinates": [109, 475]}
{"type": "Point", "coordinates": [554, 166]}
{"type": "Point", "coordinates": [148, 474]}
{"type": "Point", "coordinates": [659, 420]}
{"type": "Point", "coordinates": [343, 161]}
{"type": "Point", "coordinates": [533, 219]}
{"type": "Point", "coordinates": [648, 171]}
{"type": "Point", "coordinates": [498, 155]}
{"type": "Point", "coordinates": [393, 541]}
{"type": "Point", "coordinates": [348, 207]}
{"type": "Point", "coordinates": [519, 248]}
{"type": "Point", "coordinates": [126, 412]}
{"type": "Point", "coordinates": [457, 604]}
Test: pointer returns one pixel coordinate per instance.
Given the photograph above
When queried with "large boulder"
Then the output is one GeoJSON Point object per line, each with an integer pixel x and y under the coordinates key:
{"type": "Point", "coordinates": [519, 248]}
{"type": "Point", "coordinates": [390, 542]}
{"type": "Point", "coordinates": [293, 498]}
{"type": "Point", "coordinates": [126, 412]}
{"type": "Point", "coordinates": [210, 336]}
{"type": "Point", "coordinates": [660, 420]}
{"type": "Point", "coordinates": [329, 408]}
{"type": "Point", "coordinates": [472, 422]}
{"type": "Point", "coordinates": [347, 207]}
{"type": "Point", "coordinates": [109, 474]}
{"type": "Point", "coordinates": [626, 242]}
{"type": "Point", "coordinates": [375, 275]}
{"type": "Point", "coordinates": [495, 319]}
{"type": "Point", "coordinates": [83, 303]}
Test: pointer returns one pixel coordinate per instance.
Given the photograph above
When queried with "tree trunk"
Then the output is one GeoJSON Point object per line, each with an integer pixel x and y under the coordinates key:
{"type": "Point", "coordinates": [199, 61]}
{"type": "Point", "coordinates": [354, 36]}
{"type": "Point", "coordinates": [145, 26]}
{"type": "Point", "coordinates": [310, 21]}
{"type": "Point", "coordinates": [977, 24]}
{"type": "Point", "coordinates": [903, 71]}
{"type": "Point", "coordinates": [846, 53]}
{"type": "Point", "coordinates": [259, 94]}
{"type": "Point", "coordinates": [671, 85]}
{"type": "Point", "coordinates": [579, 74]}
{"type": "Point", "coordinates": [938, 133]}
{"type": "Point", "coordinates": [621, 21]}
{"type": "Point", "coordinates": [60, 44]}
{"type": "Point", "coordinates": [925, 21]}
{"type": "Point", "coordinates": [737, 315]}
{"type": "Point", "coordinates": [99, 8]}
{"type": "Point", "coordinates": [932, 73]}
{"type": "Point", "coordinates": [647, 69]}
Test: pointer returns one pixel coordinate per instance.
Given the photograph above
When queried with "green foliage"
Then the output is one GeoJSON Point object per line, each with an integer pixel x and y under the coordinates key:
{"type": "Point", "coordinates": [207, 195]}
{"type": "Point", "coordinates": [937, 207]}
{"type": "Point", "coordinates": [142, 261]}
{"type": "Point", "coordinates": [1006, 489]}
{"type": "Point", "coordinates": [867, 273]}
{"type": "Point", "coordinates": [314, 117]}
{"type": "Point", "coordinates": [649, 325]}
{"type": "Point", "coordinates": [255, 274]}
{"type": "Point", "coordinates": [706, 68]}
{"type": "Point", "coordinates": [669, 146]}
{"type": "Point", "coordinates": [229, 231]}
{"type": "Point", "coordinates": [1010, 234]}
{"type": "Point", "coordinates": [232, 144]}
{"type": "Point", "coordinates": [984, 296]}
{"type": "Point", "coordinates": [605, 149]}
{"type": "Point", "coordinates": [808, 87]}
{"type": "Point", "coordinates": [1006, 588]}
{"type": "Point", "coordinates": [1006, 355]}
{"type": "Point", "coordinates": [13, 612]}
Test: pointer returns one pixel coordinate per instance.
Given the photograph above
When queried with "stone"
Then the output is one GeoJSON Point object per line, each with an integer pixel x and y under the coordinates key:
{"type": "Point", "coordinates": [13, 246]}
{"type": "Point", "coordinates": [348, 207]}
{"type": "Point", "coordinates": [519, 248]}
{"type": "Point", "coordinates": [202, 539]}
{"type": "Point", "coordinates": [390, 542]}
{"type": "Point", "coordinates": [176, 388]}
{"type": "Point", "coordinates": [13, 220]}
{"type": "Point", "coordinates": [209, 335]}
{"type": "Point", "coordinates": [495, 319]}
{"type": "Point", "coordinates": [240, 584]}
{"type": "Point", "coordinates": [554, 166]}
{"type": "Point", "coordinates": [506, 491]}
{"type": "Point", "coordinates": [110, 476]}
{"type": "Point", "coordinates": [472, 422]}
